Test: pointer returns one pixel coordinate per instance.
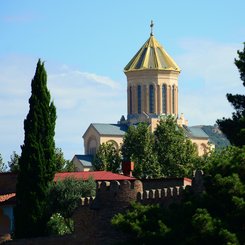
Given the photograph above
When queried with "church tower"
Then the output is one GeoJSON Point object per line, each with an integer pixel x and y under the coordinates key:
{"type": "Point", "coordinates": [152, 94]}
{"type": "Point", "coordinates": [152, 82]}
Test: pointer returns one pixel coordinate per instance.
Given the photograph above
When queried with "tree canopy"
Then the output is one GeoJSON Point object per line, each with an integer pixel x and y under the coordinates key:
{"type": "Point", "coordinates": [216, 215]}
{"type": "Point", "coordinates": [64, 197]}
{"type": "Point", "coordinates": [138, 147]}
{"type": "Point", "coordinates": [234, 128]}
{"type": "Point", "coordinates": [37, 161]}
{"type": "Point", "coordinates": [3, 167]}
{"type": "Point", "coordinates": [166, 152]}
{"type": "Point", "coordinates": [63, 165]}
{"type": "Point", "coordinates": [176, 153]}
{"type": "Point", "coordinates": [14, 163]}
{"type": "Point", "coordinates": [107, 158]}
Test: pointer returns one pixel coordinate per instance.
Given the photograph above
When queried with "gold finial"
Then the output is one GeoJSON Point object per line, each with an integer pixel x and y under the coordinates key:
{"type": "Point", "coordinates": [152, 24]}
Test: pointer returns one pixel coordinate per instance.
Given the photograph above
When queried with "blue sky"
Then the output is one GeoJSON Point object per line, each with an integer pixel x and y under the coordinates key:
{"type": "Point", "coordinates": [85, 46]}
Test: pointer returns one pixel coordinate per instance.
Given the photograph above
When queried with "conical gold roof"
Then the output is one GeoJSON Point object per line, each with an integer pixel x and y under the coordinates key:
{"type": "Point", "coordinates": [151, 56]}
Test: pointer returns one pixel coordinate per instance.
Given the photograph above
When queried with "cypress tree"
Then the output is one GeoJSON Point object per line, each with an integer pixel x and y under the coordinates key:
{"type": "Point", "coordinates": [37, 161]}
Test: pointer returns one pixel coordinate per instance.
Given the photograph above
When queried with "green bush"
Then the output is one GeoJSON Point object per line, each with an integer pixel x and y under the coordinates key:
{"type": "Point", "coordinates": [58, 225]}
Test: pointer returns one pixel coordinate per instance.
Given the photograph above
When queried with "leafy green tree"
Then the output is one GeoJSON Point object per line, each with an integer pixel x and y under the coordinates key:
{"type": "Point", "coordinates": [234, 128]}
{"type": "Point", "coordinates": [37, 161]}
{"type": "Point", "coordinates": [107, 158]}
{"type": "Point", "coordinates": [213, 216]}
{"type": "Point", "coordinates": [143, 223]}
{"type": "Point", "coordinates": [138, 147]}
{"type": "Point", "coordinates": [14, 162]}
{"type": "Point", "coordinates": [63, 165]}
{"type": "Point", "coordinates": [61, 162]}
{"type": "Point", "coordinates": [176, 153]}
{"type": "Point", "coordinates": [65, 196]}
{"type": "Point", "coordinates": [59, 159]}
{"type": "Point", "coordinates": [3, 167]}
{"type": "Point", "coordinates": [69, 167]}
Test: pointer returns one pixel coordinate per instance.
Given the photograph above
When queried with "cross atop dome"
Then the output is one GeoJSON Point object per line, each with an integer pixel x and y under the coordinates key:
{"type": "Point", "coordinates": [152, 25]}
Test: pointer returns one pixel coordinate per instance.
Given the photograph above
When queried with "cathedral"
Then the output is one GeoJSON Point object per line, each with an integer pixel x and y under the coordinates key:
{"type": "Point", "coordinates": [152, 94]}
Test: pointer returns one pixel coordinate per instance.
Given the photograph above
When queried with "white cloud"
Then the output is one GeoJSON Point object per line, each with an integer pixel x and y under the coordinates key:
{"type": "Point", "coordinates": [80, 98]}
{"type": "Point", "coordinates": [208, 73]}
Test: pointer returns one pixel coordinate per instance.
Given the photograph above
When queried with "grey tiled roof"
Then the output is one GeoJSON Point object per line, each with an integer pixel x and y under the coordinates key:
{"type": "Point", "coordinates": [196, 132]}
{"type": "Point", "coordinates": [86, 160]}
{"type": "Point", "coordinates": [110, 129]}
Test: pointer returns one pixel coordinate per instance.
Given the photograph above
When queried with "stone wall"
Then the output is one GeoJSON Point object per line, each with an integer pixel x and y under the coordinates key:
{"type": "Point", "coordinates": [92, 218]}
{"type": "Point", "coordinates": [149, 184]}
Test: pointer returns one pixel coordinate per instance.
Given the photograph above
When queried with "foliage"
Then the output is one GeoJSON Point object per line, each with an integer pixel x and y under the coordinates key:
{"type": "Point", "coordinates": [59, 159]}
{"type": "Point", "coordinates": [69, 167]}
{"type": "Point", "coordinates": [107, 158]}
{"type": "Point", "coordinates": [65, 195]}
{"type": "Point", "coordinates": [3, 167]}
{"type": "Point", "coordinates": [37, 161]}
{"type": "Point", "coordinates": [144, 223]}
{"type": "Point", "coordinates": [214, 216]}
{"type": "Point", "coordinates": [138, 147]}
{"type": "Point", "coordinates": [63, 165]}
{"type": "Point", "coordinates": [14, 163]}
{"type": "Point", "coordinates": [57, 225]}
{"type": "Point", "coordinates": [167, 152]}
{"type": "Point", "coordinates": [176, 153]}
{"type": "Point", "coordinates": [234, 128]}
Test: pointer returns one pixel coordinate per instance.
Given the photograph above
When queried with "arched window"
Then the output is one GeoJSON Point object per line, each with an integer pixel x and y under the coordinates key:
{"type": "Point", "coordinates": [164, 98]}
{"type": "Point", "coordinates": [173, 100]}
{"type": "Point", "coordinates": [151, 99]}
{"type": "Point", "coordinates": [114, 144]}
{"type": "Point", "coordinates": [130, 100]}
{"type": "Point", "coordinates": [92, 146]}
{"type": "Point", "coordinates": [139, 98]}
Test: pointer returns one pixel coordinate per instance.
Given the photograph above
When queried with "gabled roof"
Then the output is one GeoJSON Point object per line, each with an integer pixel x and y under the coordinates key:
{"type": "Point", "coordinates": [151, 56]}
{"type": "Point", "coordinates": [96, 175]}
{"type": "Point", "coordinates": [85, 160]}
{"type": "Point", "coordinates": [110, 129]}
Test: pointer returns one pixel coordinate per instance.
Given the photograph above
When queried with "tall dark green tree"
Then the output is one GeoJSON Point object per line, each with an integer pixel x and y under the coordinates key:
{"type": "Point", "coordinates": [37, 161]}
{"type": "Point", "coordinates": [234, 128]}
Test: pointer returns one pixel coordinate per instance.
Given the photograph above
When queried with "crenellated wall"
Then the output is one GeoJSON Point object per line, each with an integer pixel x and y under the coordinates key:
{"type": "Point", "coordinates": [92, 218]}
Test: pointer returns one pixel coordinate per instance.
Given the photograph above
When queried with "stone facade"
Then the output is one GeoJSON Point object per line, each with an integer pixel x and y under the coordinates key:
{"type": "Point", "coordinates": [93, 139]}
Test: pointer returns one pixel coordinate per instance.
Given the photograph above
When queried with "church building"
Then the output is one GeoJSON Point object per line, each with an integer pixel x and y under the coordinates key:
{"type": "Point", "coordinates": [152, 94]}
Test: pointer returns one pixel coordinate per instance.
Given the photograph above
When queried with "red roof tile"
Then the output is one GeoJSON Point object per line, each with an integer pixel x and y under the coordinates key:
{"type": "Point", "coordinates": [4, 198]}
{"type": "Point", "coordinates": [96, 175]}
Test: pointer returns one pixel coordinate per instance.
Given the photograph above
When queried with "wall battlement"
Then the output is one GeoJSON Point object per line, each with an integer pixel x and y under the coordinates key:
{"type": "Point", "coordinates": [163, 196]}
{"type": "Point", "coordinates": [87, 201]}
{"type": "Point", "coordinates": [115, 194]}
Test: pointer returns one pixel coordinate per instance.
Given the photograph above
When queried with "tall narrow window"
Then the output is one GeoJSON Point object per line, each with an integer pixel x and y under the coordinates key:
{"type": "Point", "coordinates": [130, 100]}
{"type": "Point", "coordinates": [164, 98]}
{"type": "Point", "coordinates": [173, 100]}
{"type": "Point", "coordinates": [139, 98]}
{"type": "Point", "coordinates": [151, 99]}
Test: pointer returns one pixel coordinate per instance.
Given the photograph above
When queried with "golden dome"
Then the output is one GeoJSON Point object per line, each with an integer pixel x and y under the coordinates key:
{"type": "Point", "coordinates": [151, 56]}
